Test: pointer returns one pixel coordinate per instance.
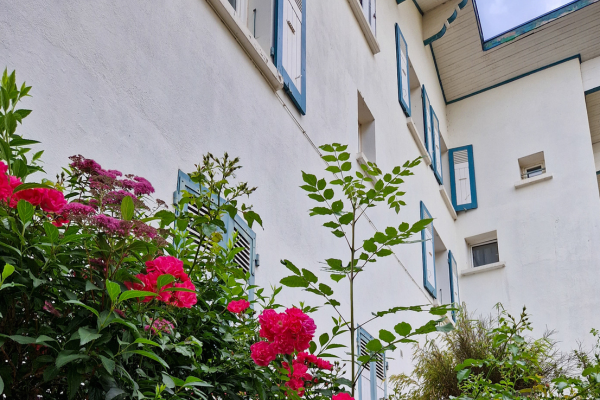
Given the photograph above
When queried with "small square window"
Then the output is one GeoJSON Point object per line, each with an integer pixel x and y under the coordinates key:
{"type": "Point", "coordinates": [484, 254]}
{"type": "Point", "coordinates": [532, 165]}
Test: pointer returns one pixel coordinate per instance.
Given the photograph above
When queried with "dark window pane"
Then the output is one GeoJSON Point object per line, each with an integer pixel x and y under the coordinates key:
{"type": "Point", "coordinates": [534, 171]}
{"type": "Point", "coordinates": [485, 254]}
{"type": "Point", "coordinates": [233, 4]}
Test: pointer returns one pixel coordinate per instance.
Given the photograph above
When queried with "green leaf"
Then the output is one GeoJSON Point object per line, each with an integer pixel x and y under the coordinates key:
{"type": "Point", "coordinates": [193, 381]}
{"type": "Point", "coordinates": [23, 339]}
{"type": "Point", "coordinates": [164, 280]}
{"type": "Point", "coordinates": [312, 348]}
{"type": "Point", "coordinates": [334, 263]}
{"type": "Point", "coordinates": [150, 355]}
{"type": "Point", "coordinates": [109, 365]}
{"type": "Point", "coordinates": [25, 210]}
{"type": "Point", "coordinates": [445, 328]}
{"type": "Point", "coordinates": [337, 206]}
{"type": "Point", "coordinates": [133, 294]}
{"type": "Point", "coordinates": [146, 341]}
{"type": "Point", "coordinates": [178, 289]}
{"type": "Point", "coordinates": [309, 276]}
{"type": "Point", "coordinates": [370, 246]}
{"type": "Point", "coordinates": [288, 264]}
{"type": "Point", "coordinates": [90, 286]}
{"type": "Point", "coordinates": [320, 211]}
{"type": "Point", "coordinates": [321, 184]}
{"type": "Point", "coordinates": [337, 277]}
{"type": "Point", "coordinates": [113, 290]}
{"type": "Point", "coordinates": [51, 231]}
{"type": "Point", "coordinates": [386, 336]}
{"type": "Point", "coordinates": [327, 147]}
{"type": "Point", "coordinates": [309, 188]}
{"type": "Point", "coordinates": [65, 357]}
{"type": "Point", "coordinates": [325, 289]}
{"type": "Point", "coordinates": [74, 380]}
{"type": "Point", "coordinates": [324, 338]}
{"type": "Point", "coordinates": [347, 166]}
{"type": "Point", "coordinates": [77, 302]}
{"type": "Point", "coordinates": [317, 197]}
{"type": "Point", "coordinates": [328, 194]}
{"type": "Point", "coordinates": [403, 329]}
{"type": "Point", "coordinates": [294, 281]}
{"type": "Point", "coordinates": [329, 158]}
{"type": "Point", "coordinates": [374, 345]}
{"type": "Point", "coordinates": [346, 218]}
{"type": "Point", "coordinates": [384, 253]}
{"type": "Point", "coordinates": [1, 385]}
{"type": "Point", "coordinates": [127, 208]}
{"type": "Point", "coordinates": [87, 335]}
{"type": "Point", "coordinates": [462, 375]}
{"type": "Point", "coordinates": [309, 178]}
{"type": "Point", "coordinates": [113, 392]}
{"type": "Point", "coordinates": [7, 271]}
{"type": "Point", "coordinates": [32, 185]}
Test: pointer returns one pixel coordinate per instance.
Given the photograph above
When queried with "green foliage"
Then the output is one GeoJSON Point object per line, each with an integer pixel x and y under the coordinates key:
{"type": "Point", "coordinates": [344, 201]}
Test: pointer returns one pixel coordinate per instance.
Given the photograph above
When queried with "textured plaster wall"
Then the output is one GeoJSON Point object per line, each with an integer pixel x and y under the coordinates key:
{"type": "Point", "coordinates": [548, 233]}
{"type": "Point", "coordinates": [148, 87]}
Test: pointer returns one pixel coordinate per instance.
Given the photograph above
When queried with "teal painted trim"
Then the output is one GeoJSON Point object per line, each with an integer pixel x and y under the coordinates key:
{"type": "Point", "coordinates": [473, 185]}
{"type": "Point", "coordinates": [453, 17]}
{"type": "Point", "coordinates": [435, 37]}
{"type": "Point", "coordinates": [418, 8]}
{"type": "Point", "coordinates": [406, 107]}
{"type": "Point", "coordinates": [578, 56]}
{"type": "Point", "coordinates": [590, 91]}
{"type": "Point", "coordinates": [453, 273]}
{"type": "Point", "coordinates": [431, 287]}
{"type": "Point", "coordinates": [438, 73]}
{"type": "Point", "coordinates": [427, 127]}
{"type": "Point", "coordinates": [528, 26]}
{"type": "Point", "coordinates": [361, 332]}
{"type": "Point", "coordinates": [298, 96]}
{"type": "Point", "coordinates": [436, 162]}
{"type": "Point", "coordinates": [463, 4]}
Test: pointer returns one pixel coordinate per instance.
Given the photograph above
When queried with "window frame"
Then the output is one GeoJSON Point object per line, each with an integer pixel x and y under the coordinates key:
{"type": "Point", "coordinates": [472, 181]}
{"type": "Point", "coordinates": [405, 107]}
{"type": "Point", "coordinates": [483, 244]}
{"type": "Point", "coordinates": [298, 97]}
{"type": "Point", "coordinates": [436, 164]}
{"type": "Point", "coordinates": [429, 286]}
{"type": "Point", "coordinates": [360, 331]}
{"type": "Point", "coordinates": [427, 127]}
{"type": "Point", "coordinates": [453, 272]}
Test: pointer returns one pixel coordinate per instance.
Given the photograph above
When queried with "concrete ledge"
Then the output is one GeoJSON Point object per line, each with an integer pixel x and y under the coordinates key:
{"type": "Point", "coordinates": [362, 160]}
{"type": "Point", "coordinates": [250, 45]}
{"type": "Point", "coordinates": [485, 268]}
{"type": "Point", "coordinates": [448, 202]}
{"type": "Point", "coordinates": [364, 26]}
{"type": "Point", "coordinates": [415, 134]}
{"type": "Point", "coordinates": [531, 181]}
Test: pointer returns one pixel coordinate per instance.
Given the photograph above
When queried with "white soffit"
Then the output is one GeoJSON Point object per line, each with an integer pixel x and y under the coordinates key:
{"type": "Point", "coordinates": [465, 68]}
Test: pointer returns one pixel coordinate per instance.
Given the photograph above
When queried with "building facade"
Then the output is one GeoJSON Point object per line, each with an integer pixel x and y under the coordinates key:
{"type": "Point", "coordinates": [509, 132]}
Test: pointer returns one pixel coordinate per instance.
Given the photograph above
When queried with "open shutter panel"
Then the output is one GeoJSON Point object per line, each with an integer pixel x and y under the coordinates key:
{"type": "Point", "coordinates": [372, 382]}
{"type": "Point", "coordinates": [454, 292]}
{"type": "Point", "coordinates": [437, 147]}
{"type": "Point", "coordinates": [403, 73]}
{"type": "Point", "coordinates": [428, 249]}
{"type": "Point", "coordinates": [290, 49]}
{"type": "Point", "coordinates": [462, 178]}
{"type": "Point", "coordinates": [246, 239]}
{"type": "Point", "coordinates": [427, 122]}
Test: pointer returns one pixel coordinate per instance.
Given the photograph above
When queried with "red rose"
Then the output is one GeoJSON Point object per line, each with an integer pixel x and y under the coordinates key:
{"type": "Point", "coordinates": [168, 265]}
{"type": "Point", "coordinates": [184, 299]}
{"type": "Point", "coordinates": [239, 306]}
{"type": "Point", "coordinates": [262, 353]}
{"type": "Point", "coordinates": [33, 196]}
{"type": "Point", "coordinates": [52, 201]}
{"type": "Point", "coordinates": [342, 396]}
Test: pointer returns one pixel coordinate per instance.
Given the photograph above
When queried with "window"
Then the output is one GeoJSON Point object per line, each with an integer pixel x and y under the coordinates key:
{"type": "Point", "coordinates": [454, 292]}
{"type": "Point", "coordinates": [246, 238]}
{"type": "Point", "coordinates": [366, 131]}
{"type": "Point", "coordinates": [532, 165]}
{"type": "Point", "coordinates": [290, 49]}
{"type": "Point", "coordinates": [428, 246]}
{"type": "Point", "coordinates": [485, 253]}
{"type": "Point", "coordinates": [427, 123]}
{"type": "Point", "coordinates": [403, 72]}
{"type": "Point", "coordinates": [372, 381]}
{"type": "Point", "coordinates": [462, 178]}
{"type": "Point", "coordinates": [369, 9]}
{"type": "Point", "coordinates": [437, 147]}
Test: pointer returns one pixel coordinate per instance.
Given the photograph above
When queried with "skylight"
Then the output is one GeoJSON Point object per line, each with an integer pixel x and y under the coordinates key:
{"type": "Point", "coordinates": [499, 16]}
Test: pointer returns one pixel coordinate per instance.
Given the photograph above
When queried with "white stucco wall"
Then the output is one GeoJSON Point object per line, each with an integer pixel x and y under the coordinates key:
{"type": "Point", "coordinates": [148, 87]}
{"type": "Point", "coordinates": [548, 233]}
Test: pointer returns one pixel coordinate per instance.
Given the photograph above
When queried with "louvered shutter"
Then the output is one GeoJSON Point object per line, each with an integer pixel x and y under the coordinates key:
{"type": "Point", "coordinates": [437, 147]}
{"type": "Point", "coordinates": [246, 238]}
{"type": "Point", "coordinates": [454, 292]}
{"type": "Point", "coordinates": [427, 122]}
{"type": "Point", "coordinates": [462, 178]}
{"type": "Point", "coordinates": [428, 250]}
{"type": "Point", "coordinates": [290, 49]}
{"type": "Point", "coordinates": [372, 384]}
{"type": "Point", "coordinates": [403, 73]}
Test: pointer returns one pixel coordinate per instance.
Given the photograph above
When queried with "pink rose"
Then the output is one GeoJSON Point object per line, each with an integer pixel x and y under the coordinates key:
{"type": "Point", "coordinates": [52, 201]}
{"type": "Point", "coordinates": [262, 353]}
{"type": "Point", "coordinates": [342, 396]}
{"type": "Point", "coordinates": [168, 265]}
{"type": "Point", "coordinates": [184, 299]}
{"type": "Point", "coordinates": [239, 306]}
{"type": "Point", "coordinates": [33, 196]}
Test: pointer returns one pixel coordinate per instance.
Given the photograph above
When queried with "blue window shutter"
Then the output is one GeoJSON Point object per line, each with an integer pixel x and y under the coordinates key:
{"type": "Point", "coordinates": [427, 123]}
{"type": "Point", "coordinates": [290, 49]}
{"type": "Point", "coordinates": [368, 377]}
{"type": "Point", "coordinates": [428, 251]}
{"type": "Point", "coordinates": [462, 178]}
{"type": "Point", "coordinates": [454, 291]}
{"type": "Point", "coordinates": [437, 148]}
{"type": "Point", "coordinates": [403, 72]}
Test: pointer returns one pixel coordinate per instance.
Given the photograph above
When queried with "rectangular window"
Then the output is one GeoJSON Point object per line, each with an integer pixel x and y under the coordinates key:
{"type": "Point", "coordinates": [403, 73]}
{"type": "Point", "coordinates": [428, 246]}
{"type": "Point", "coordinates": [427, 123]}
{"type": "Point", "coordinates": [485, 253]}
{"type": "Point", "coordinates": [454, 292]}
{"type": "Point", "coordinates": [369, 9]}
{"type": "Point", "coordinates": [437, 147]}
{"type": "Point", "coordinates": [290, 49]}
{"type": "Point", "coordinates": [372, 383]}
{"type": "Point", "coordinates": [366, 131]}
{"type": "Point", "coordinates": [532, 165]}
{"type": "Point", "coordinates": [246, 237]}
{"type": "Point", "coordinates": [462, 178]}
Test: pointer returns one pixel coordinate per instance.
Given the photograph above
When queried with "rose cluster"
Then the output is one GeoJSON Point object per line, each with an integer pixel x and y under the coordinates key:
{"type": "Point", "coordinates": [49, 200]}
{"type": "Point", "coordinates": [239, 306]}
{"type": "Point", "coordinates": [288, 333]}
{"type": "Point", "coordinates": [149, 282]}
